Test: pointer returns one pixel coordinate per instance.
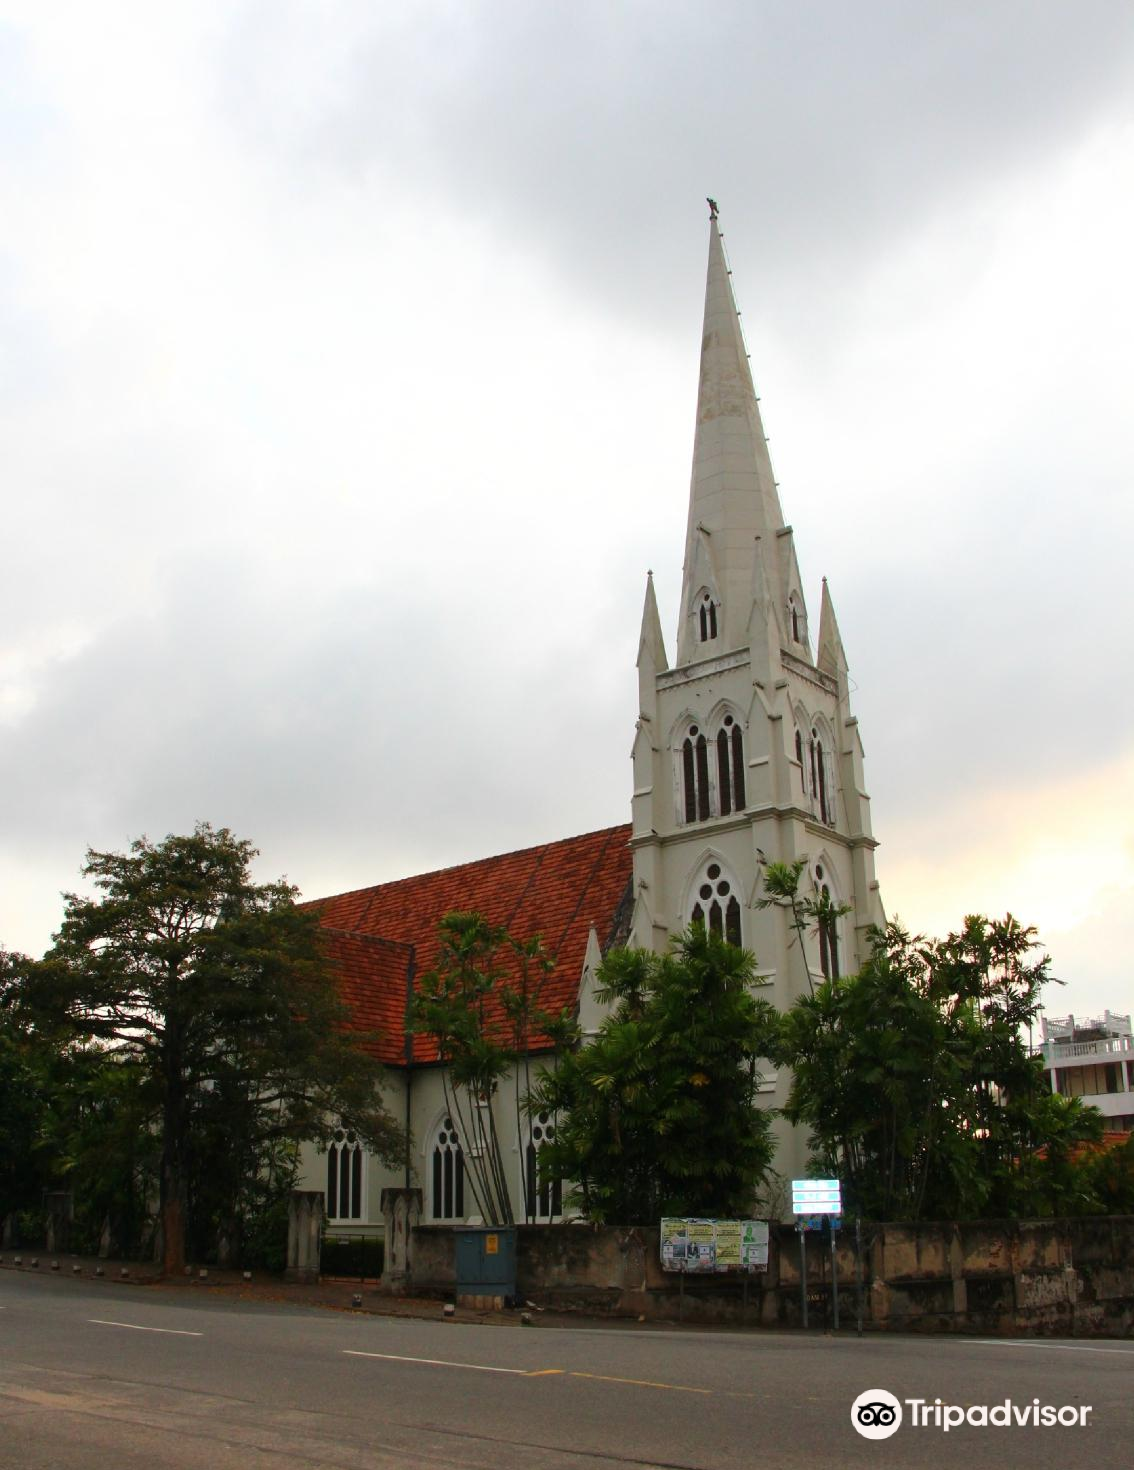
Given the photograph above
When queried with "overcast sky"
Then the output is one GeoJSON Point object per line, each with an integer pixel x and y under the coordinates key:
{"type": "Point", "coordinates": [348, 361]}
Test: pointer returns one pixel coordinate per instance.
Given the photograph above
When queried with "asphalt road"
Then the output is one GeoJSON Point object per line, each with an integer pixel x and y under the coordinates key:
{"type": "Point", "coordinates": [103, 1375]}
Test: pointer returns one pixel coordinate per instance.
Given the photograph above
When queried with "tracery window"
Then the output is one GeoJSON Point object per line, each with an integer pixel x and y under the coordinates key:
{"type": "Point", "coordinates": [447, 1196]}
{"type": "Point", "coordinates": [344, 1176]}
{"type": "Point", "coordinates": [730, 766]}
{"type": "Point", "coordinates": [711, 771]}
{"type": "Point", "coordinates": [822, 779]}
{"type": "Point", "coordinates": [695, 775]}
{"type": "Point", "coordinates": [707, 618]}
{"type": "Point", "coordinates": [828, 931]}
{"type": "Point", "coordinates": [716, 905]}
{"type": "Point", "coordinates": [544, 1196]}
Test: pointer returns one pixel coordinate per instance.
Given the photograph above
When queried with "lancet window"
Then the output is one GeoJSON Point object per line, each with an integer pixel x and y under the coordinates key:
{"type": "Point", "coordinates": [344, 1176]}
{"type": "Point", "coordinates": [730, 766]}
{"type": "Point", "coordinates": [715, 904]}
{"type": "Point", "coordinates": [543, 1196]}
{"type": "Point", "coordinates": [822, 784]}
{"type": "Point", "coordinates": [695, 774]}
{"type": "Point", "coordinates": [707, 618]}
{"type": "Point", "coordinates": [447, 1169]}
{"type": "Point", "coordinates": [711, 770]}
{"type": "Point", "coordinates": [828, 929]}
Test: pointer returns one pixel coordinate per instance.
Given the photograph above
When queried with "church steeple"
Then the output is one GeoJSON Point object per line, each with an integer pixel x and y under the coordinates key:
{"type": "Point", "coordinates": [745, 750]}
{"type": "Point", "coordinates": [734, 510]}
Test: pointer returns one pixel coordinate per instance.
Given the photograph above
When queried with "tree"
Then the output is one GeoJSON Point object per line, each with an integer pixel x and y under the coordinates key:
{"type": "Point", "coordinates": [915, 1079]}
{"type": "Point", "coordinates": [26, 1063]}
{"type": "Point", "coordinates": [817, 912]}
{"type": "Point", "coordinates": [658, 1114]}
{"type": "Point", "coordinates": [206, 986]}
{"type": "Point", "coordinates": [480, 1005]}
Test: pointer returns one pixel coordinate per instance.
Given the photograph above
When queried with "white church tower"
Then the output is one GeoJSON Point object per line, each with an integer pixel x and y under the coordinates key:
{"type": "Point", "coordinates": [746, 750]}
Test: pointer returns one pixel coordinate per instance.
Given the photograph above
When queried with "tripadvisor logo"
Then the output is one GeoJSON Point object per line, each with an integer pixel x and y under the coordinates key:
{"type": "Point", "coordinates": [877, 1414]}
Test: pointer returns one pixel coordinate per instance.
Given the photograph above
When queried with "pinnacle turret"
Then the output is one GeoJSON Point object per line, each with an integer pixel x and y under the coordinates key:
{"type": "Point", "coordinates": [832, 657]}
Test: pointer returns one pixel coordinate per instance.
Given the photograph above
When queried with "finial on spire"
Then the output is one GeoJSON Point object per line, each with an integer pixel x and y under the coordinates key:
{"type": "Point", "coordinates": [713, 210]}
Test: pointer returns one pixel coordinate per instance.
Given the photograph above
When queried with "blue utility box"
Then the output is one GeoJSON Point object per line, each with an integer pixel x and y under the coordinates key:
{"type": "Point", "coordinates": [486, 1260]}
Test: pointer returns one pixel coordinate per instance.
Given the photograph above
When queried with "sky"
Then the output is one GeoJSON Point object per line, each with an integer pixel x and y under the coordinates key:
{"type": "Point", "coordinates": [348, 364]}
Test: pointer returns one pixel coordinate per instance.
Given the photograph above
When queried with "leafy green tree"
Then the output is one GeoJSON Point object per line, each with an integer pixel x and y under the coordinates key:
{"type": "Point", "coordinates": [480, 1005]}
{"type": "Point", "coordinates": [807, 912]}
{"type": "Point", "coordinates": [1110, 1178]}
{"type": "Point", "coordinates": [27, 1060]}
{"type": "Point", "coordinates": [915, 1079]}
{"type": "Point", "coordinates": [658, 1113]}
{"type": "Point", "coordinates": [210, 991]}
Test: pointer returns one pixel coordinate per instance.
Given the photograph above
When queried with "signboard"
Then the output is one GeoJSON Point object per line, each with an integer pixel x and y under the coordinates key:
{"type": "Point", "coordinates": [491, 1245]}
{"type": "Point", "coordinates": [816, 1197]}
{"type": "Point", "coordinates": [819, 1222]}
{"type": "Point", "coordinates": [715, 1247]}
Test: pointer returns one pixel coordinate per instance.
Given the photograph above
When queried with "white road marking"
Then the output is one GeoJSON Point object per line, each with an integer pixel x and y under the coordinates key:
{"type": "Point", "coordinates": [133, 1326]}
{"type": "Point", "coordinates": [437, 1363]}
{"type": "Point", "coordinates": [1054, 1347]}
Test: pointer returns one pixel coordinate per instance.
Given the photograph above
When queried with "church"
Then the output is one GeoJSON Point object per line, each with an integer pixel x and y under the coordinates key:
{"type": "Point", "coordinates": [746, 751]}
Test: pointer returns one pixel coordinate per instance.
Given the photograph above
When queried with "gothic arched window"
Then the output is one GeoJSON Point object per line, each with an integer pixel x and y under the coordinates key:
{"type": "Point", "coordinates": [799, 758]}
{"type": "Point", "coordinates": [822, 766]}
{"type": "Point", "coordinates": [716, 905]}
{"type": "Point", "coordinates": [730, 766]}
{"type": "Point", "coordinates": [344, 1176]}
{"type": "Point", "coordinates": [828, 930]}
{"type": "Point", "coordinates": [544, 1196]}
{"type": "Point", "coordinates": [822, 778]}
{"type": "Point", "coordinates": [695, 775]}
{"type": "Point", "coordinates": [707, 618]}
{"type": "Point", "coordinates": [447, 1201]}
{"type": "Point", "coordinates": [794, 619]}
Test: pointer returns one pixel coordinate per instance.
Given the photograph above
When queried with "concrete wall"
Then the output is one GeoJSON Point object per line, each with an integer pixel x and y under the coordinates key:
{"type": "Point", "coordinates": [1057, 1277]}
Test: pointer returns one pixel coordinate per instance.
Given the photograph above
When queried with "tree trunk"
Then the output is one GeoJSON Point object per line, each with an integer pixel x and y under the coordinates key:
{"type": "Point", "coordinates": [173, 1231]}
{"type": "Point", "coordinates": [173, 1181]}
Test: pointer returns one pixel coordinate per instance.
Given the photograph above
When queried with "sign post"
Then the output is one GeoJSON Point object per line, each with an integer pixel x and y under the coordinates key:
{"type": "Point", "coordinates": [816, 1202]}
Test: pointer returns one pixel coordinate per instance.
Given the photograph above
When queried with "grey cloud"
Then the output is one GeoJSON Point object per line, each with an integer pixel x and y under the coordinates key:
{"type": "Point", "coordinates": [589, 128]}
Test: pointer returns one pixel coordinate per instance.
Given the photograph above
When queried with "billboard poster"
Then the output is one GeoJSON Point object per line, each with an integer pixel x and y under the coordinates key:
{"type": "Point", "coordinates": [715, 1247]}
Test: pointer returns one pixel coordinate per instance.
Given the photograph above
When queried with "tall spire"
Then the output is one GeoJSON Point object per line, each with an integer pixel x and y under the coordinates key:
{"type": "Point", "coordinates": [734, 510]}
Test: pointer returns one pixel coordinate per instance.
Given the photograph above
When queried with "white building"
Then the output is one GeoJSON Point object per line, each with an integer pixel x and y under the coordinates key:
{"type": "Point", "coordinates": [1092, 1058]}
{"type": "Point", "coordinates": [746, 751]}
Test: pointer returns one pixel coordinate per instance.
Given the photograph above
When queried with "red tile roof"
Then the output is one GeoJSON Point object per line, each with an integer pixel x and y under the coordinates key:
{"type": "Point", "coordinates": [372, 980]}
{"type": "Point", "coordinates": [557, 890]}
{"type": "Point", "coordinates": [1110, 1138]}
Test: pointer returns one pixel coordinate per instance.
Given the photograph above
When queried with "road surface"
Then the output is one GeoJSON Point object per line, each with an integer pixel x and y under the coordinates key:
{"type": "Point", "coordinates": [97, 1374]}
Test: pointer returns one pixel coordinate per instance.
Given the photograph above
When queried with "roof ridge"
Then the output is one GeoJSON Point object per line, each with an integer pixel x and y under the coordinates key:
{"type": "Point", "coordinates": [540, 847]}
